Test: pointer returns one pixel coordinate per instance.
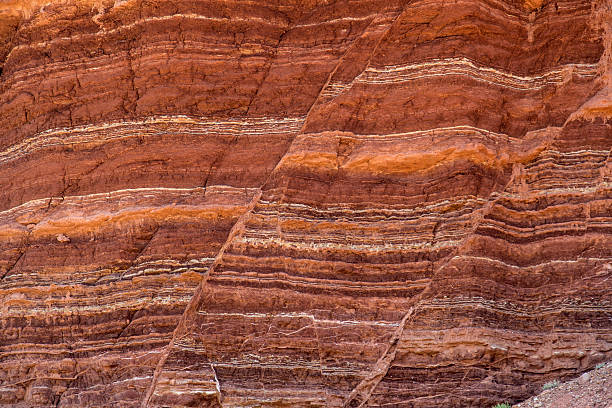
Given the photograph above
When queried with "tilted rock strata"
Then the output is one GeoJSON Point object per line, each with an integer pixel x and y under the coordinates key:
{"type": "Point", "coordinates": [92, 311]}
{"type": "Point", "coordinates": [289, 204]}
{"type": "Point", "coordinates": [537, 264]}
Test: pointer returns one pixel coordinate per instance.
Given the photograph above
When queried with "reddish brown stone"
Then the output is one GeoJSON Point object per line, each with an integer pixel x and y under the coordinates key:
{"type": "Point", "coordinates": [302, 204]}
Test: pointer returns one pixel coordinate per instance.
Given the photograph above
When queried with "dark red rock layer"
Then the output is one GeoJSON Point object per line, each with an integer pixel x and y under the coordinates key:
{"type": "Point", "coordinates": [399, 203]}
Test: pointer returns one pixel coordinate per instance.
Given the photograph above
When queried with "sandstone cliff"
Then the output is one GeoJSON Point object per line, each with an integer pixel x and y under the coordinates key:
{"type": "Point", "coordinates": [290, 203]}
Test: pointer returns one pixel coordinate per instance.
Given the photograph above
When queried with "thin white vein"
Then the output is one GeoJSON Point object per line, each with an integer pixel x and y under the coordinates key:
{"type": "Point", "coordinates": [468, 68]}
{"type": "Point", "coordinates": [68, 136]}
{"type": "Point", "coordinates": [129, 192]}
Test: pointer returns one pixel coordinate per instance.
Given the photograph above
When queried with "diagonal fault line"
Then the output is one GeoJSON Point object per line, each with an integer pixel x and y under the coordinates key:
{"type": "Point", "coordinates": [236, 231]}
{"type": "Point", "coordinates": [341, 60]}
{"type": "Point", "coordinates": [361, 394]}
{"type": "Point", "coordinates": [193, 303]}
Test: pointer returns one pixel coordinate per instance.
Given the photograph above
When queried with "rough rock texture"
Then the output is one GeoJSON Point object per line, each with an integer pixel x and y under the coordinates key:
{"type": "Point", "coordinates": [302, 203]}
{"type": "Point", "coordinates": [593, 389]}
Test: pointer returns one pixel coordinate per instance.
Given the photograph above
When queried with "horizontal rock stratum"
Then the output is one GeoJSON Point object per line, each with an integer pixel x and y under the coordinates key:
{"type": "Point", "coordinates": [289, 203]}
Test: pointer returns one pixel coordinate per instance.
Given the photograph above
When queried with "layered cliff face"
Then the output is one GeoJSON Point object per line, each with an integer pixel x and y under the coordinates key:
{"type": "Point", "coordinates": [288, 203]}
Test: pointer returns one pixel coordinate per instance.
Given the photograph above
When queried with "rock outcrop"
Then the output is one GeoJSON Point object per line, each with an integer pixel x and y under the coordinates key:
{"type": "Point", "coordinates": [302, 203]}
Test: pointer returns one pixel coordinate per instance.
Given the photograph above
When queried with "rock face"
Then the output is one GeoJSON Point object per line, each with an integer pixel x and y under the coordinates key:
{"type": "Point", "coordinates": [302, 203]}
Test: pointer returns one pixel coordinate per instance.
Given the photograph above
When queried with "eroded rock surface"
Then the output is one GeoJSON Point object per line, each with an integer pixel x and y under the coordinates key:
{"type": "Point", "coordinates": [302, 203]}
{"type": "Point", "coordinates": [593, 389]}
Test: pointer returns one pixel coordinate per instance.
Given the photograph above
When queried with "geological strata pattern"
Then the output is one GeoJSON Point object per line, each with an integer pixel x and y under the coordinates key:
{"type": "Point", "coordinates": [302, 203]}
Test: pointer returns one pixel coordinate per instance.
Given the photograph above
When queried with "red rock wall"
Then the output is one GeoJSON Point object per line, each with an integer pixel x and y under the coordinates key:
{"type": "Point", "coordinates": [334, 204]}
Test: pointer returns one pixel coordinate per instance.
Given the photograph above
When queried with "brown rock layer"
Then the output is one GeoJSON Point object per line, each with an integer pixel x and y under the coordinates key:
{"type": "Point", "coordinates": [212, 203]}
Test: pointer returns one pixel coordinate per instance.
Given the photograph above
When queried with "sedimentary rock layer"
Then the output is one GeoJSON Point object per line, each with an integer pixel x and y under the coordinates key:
{"type": "Point", "coordinates": [334, 204]}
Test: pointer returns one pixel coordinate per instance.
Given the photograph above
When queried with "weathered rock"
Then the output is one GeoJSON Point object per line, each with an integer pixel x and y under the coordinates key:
{"type": "Point", "coordinates": [591, 390]}
{"type": "Point", "coordinates": [61, 237]}
{"type": "Point", "coordinates": [584, 378]}
{"type": "Point", "coordinates": [371, 203]}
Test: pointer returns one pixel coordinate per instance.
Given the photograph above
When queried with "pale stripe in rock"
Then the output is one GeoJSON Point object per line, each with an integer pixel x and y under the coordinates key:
{"type": "Point", "coordinates": [569, 160]}
{"type": "Point", "coordinates": [364, 248]}
{"type": "Point", "coordinates": [459, 130]}
{"type": "Point", "coordinates": [156, 297]}
{"type": "Point", "coordinates": [103, 276]}
{"type": "Point", "coordinates": [312, 282]}
{"type": "Point", "coordinates": [469, 68]}
{"type": "Point", "coordinates": [192, 51]}
{"type": "Point", "coordinates": [533, 267]}
{"type": "Point", "coordinates": [192, 390]}
{"type": "Point", "coordinates": [418, 237]}
{"type": "Point", "coordinates": [249, 360]}
{"type": "Point", "coordinates": [380, 215]}
{"type": "Point", "coordinates": [604, 185]}
{"type": "Point", "coordinates": [299, 315]}
{"type": "Point", "coordinates": [337, 20]}
{"type": "Point", "coordinates": [414, 236]}
{"type": "Point", "coordinates": [530, 309]}
{"type": "Point", "coordinates": [69, 136]}
{"type": "Point", "coordinates": [576, 224]}
{"type": "Point", "coordinates": [334, 89]}
{"type": "Point", "coordinates": [387, 210]}
{"type": "Point", "coordinates": [462, 67]}
{"type": "Point", "coordinates": [86, 346]}
{"type": "Point", "coordinates": [122, 193]}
